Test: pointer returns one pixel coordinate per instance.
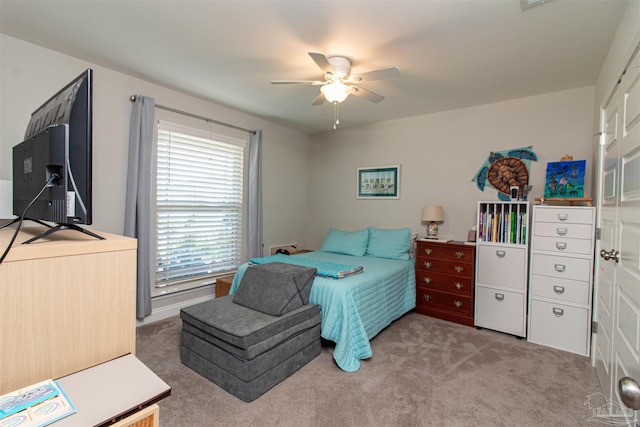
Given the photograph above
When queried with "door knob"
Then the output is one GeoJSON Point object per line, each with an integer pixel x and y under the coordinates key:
{"type": "Point", "coordinates": [629, 392]}
{"type": "Point", "coordinates": [612, 254]}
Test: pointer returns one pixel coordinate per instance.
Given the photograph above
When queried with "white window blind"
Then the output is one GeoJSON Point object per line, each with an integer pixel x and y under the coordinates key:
{"type": "Point", "coordinates": [199, 209]}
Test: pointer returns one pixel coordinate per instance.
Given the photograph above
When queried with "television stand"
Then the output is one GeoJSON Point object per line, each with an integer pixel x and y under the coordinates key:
{"type": "Point", "coordinates": [59, 227]}
{"type": "Point", "coordinates": [17, 219]}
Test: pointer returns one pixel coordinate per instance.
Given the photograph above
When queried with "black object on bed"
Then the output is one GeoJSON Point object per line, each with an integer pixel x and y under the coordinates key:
{"type": "Point", "coordinates": [248, 347]}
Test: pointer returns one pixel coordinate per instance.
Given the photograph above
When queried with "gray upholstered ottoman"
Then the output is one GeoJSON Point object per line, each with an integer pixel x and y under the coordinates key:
{"type": "Point", "coordinates": [246, 351]}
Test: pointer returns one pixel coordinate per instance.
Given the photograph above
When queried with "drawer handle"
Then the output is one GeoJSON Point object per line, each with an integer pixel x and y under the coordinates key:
{"type": "Point", "coordinates": [500, 254]}
{"type": "Point", "coordinates": [558, 312]}
{"type": "Point", "coordinates": [558, 289]}
{"type": "Point", "coordinates": [459, 254]}
{"type": "Point", "coordinates": [428, 251]}
{"type": "Point", "coordinates": [560, 268]}
{"type": "Point", "coordinates": [458, 268]}
{"type": "Point", "coordinates": [458, 304]}
{"type": "Point", "coordinates": [458, 285]}
{"type": "Point", "coordinates": [426, 297]}
{"type": "Point", "coordinates": [561, 246]}
{"type": "Point", "coordinates": [563, 216]}
{"type": "Point", "coordinates": [427, 265]}
{"type": "Point", "coordinates": [561, 231]}
{"type": "Point", "coordinates": [499, 297]}
{"type": "Point", "coordinates": [427, 280]}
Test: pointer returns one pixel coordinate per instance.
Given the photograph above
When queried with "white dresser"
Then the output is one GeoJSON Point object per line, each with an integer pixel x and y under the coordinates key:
{"type": "Point", "coordinates": [561, 277]}
{"type": "Point", "coordinates": [501, 267]}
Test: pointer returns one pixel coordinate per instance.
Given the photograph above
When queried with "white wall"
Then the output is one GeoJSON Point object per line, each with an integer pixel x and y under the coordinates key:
{"type": "Point", "coordinates": [439, 154]}
{"type": "Point", "coordinates": [30, 74]}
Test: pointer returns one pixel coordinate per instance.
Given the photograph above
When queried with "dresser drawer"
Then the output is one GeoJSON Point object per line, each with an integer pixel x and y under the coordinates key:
{"type": "Point", "coordinates": [444, 251]}
{"type": "Point", "coordinates": [432, 299]}
{"type": "Point", "coordinates": [559, 326]}
{"type": "Point", "coordinates": [445, 282]}
{"type": "Point", "coordinates": [502, 266]}
{"type": "Point", "coordinates": [561, 267]}
{"type": "Point", "coordinates": [563, 215]}
{"type": "Point", "coordinates": [455, 268]}
{"type": "Point", "coordinates": [573, 231]}
{"type": "Point", "coordinates": [566, 290]}
{"type": "Point", "coordinates": [562, 245]}
{"type": "Point", "coordinates": [500, 310]}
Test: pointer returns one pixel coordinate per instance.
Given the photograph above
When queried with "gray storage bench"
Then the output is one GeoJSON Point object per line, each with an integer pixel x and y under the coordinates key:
{"type": "Point", "coordinates": [248, 342]}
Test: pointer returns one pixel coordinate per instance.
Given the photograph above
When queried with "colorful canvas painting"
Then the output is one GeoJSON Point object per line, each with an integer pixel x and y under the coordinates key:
{"type": "Point", "coordinates": [565, 180]}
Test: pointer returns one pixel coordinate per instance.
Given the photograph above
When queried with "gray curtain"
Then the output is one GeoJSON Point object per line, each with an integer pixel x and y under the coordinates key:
{"type": "Point", "coordinates": [138, 202]}
{"type": "Point", "coordinates": [255, 195]}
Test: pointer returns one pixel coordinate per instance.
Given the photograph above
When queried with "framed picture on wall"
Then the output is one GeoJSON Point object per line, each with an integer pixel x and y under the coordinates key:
{"type": "Point", "coordinates": [565, 179]}
{"type": "Point", "coordinates": [381, 182]}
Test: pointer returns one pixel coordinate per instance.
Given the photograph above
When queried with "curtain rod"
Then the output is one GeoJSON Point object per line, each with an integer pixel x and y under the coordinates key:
{"type": "Point", "coordinates": [132, 98]}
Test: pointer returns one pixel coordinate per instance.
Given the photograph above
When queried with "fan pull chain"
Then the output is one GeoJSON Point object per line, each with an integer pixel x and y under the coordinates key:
{"type": "Point", "coordinates": [336, 121]}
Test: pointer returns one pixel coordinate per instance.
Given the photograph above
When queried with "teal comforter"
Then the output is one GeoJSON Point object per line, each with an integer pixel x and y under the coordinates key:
{"type": "Point", "coordinates": [356, 308]}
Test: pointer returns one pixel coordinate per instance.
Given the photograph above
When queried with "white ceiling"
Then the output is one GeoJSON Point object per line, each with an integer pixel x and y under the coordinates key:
{"type": "Point", "coordinates": [452, 53]}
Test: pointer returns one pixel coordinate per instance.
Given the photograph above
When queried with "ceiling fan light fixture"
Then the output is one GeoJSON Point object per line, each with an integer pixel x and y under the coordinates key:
{"type": "Point", "coordinates": [336, 92]}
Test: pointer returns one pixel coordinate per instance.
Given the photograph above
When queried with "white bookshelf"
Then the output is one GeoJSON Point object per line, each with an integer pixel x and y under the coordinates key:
{"type": "Point", "coordinates": [502, 254]}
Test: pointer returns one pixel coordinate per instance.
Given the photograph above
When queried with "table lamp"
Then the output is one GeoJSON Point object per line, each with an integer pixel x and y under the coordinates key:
{"type": "Point", "coordinates": [432, 214]}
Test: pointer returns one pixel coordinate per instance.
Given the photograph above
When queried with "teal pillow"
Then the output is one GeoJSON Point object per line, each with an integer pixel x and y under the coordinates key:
{"type": "Point", "coordinates": [352, 243]}
{"type": "Point", "coordinates": [392, 244]}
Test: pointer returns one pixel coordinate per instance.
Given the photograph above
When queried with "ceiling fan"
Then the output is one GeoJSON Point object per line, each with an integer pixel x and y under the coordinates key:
{"type": "Point", "coordinates": [338, 82]}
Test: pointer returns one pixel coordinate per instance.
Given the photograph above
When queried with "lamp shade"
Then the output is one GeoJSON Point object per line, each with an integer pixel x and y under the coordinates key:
{"type": "Point", "coordinates": [336, 92]}
{"type": "Point", "coordinates": [432, 213]}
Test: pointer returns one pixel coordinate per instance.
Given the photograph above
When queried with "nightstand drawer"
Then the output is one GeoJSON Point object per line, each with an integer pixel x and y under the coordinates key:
{"type": "Point", "coordinates": [500, 310]}
{"type": "Point", "coordinates": [445, 282]}
{"type": "Point", "coordinates": [502, 266]}
{"type": "Point", "coordinates": [559, 326]}
{"type": "Point", "coordinates": [571, 231]}
{"type": "Point", "coordinates": [444, 251]}
{"type": "Point", "coordinates": [563, 246]}
{"type": "Point", "coordinates": [455, 268]}
{"type": "Point", "coordinates": [567, 290]}
{"type": "Point", "coordinates": [561, 267]}
{"type": "Point", "coordinates": [429, 298]}
{"type": "Point", "coordinates": [562, 215]}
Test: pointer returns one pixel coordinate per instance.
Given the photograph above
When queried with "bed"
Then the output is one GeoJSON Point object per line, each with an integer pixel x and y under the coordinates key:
{"type": "Point", "coordinates": [357, 307]}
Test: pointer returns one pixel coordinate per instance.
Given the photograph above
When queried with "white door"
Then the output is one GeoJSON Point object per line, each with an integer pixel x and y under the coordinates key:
{"type": "Point", "coordinates": [617, 297]}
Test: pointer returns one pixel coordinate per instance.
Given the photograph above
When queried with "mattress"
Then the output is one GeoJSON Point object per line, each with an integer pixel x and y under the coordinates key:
{"type": "Point", "coordinates": [356, 308]}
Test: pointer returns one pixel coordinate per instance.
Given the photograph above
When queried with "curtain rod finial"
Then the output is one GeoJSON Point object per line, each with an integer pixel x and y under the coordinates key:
{"type": "Point", "coordinates": [132, 98]}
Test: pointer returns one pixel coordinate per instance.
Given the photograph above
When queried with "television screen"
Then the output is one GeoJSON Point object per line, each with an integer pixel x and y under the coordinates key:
{"type": "Point", "coordinates": [58, 143]}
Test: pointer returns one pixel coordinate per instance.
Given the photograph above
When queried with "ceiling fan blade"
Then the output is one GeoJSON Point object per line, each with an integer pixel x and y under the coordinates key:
{"type": "Point", "coordinates": [366, 94]}
{"type": "Point", "coordinates": [385, 73]}
{"type": "Point", "coordinates": [297, 82]}
{"type": "Point", "coordinates": [319, 99]}
{"type": "Point", "coordinates": [322, 61]}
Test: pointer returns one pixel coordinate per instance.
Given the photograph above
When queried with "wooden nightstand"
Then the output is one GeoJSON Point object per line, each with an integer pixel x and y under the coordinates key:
{"type": "Point", "coordinates": [223, 285]}
{"type": "Point", "coordinates": [445, 280]}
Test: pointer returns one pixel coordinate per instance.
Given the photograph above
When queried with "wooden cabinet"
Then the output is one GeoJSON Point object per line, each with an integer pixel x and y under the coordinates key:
{"type": "Point", "coordinates": [444, 280]}
{"type": "Point", "coordinates": [561, 281]}
{"type": "Point", "coordinates": [501, 267]}
{"type": "Point", "coordinates": [67, 302]}
{"type": "Point", "coordinates": [67, 310]}
{"type": "Point", "coordinates": [223, 285]}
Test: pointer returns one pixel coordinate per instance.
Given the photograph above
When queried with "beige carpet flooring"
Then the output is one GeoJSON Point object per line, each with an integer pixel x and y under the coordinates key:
{"type": "Point", "coordinates": [424, 372]}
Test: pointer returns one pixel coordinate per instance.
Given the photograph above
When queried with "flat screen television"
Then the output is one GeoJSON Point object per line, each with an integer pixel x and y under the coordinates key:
{"type": "Point", "coordinates": [57, 153]}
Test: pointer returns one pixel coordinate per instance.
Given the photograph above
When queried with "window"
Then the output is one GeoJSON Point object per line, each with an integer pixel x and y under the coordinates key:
{"type": "Point", "coordinates": [199, 207]}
